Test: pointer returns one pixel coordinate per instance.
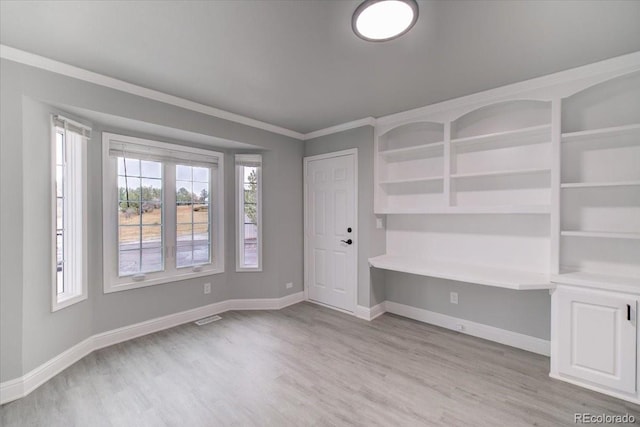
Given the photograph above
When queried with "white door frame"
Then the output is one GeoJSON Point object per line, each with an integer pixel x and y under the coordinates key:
{"type": "Point", "coordinates": [306, 160]}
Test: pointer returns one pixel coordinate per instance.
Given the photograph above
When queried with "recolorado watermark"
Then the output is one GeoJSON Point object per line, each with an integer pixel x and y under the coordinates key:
{"type": "Point", "coordinates": [587, 418]}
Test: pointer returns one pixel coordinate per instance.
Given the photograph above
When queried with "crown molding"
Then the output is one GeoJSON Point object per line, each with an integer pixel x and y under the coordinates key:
{"type": "Point", "coordinates": [367, 121]}
{"type": "Point", "coordinates": [37, 61]}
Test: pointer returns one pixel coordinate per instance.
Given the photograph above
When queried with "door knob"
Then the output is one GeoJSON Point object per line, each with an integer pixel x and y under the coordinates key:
{"type": "Point", "coordinates": [348, 242]}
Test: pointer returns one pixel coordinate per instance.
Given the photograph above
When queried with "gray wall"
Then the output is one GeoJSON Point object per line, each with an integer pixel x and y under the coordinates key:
{"type": "Point", "coordinates": [30, 333]}
{"type": "Point", "coordinates": [372, 241]}
{"type": "Point", "coordinates": [525, 312]}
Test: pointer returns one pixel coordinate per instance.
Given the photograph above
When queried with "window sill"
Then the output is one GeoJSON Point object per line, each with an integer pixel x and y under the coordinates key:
{"type": "Point", "coordinates": [109, 288]}
{"type": "Point", "coordinates": [66, 301]}
{"type": "Point", "coordinates": [248, 270]}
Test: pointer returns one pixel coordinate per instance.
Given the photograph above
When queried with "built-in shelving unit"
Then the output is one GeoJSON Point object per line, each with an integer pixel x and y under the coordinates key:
{"type": "Point", "coordinates": [488, 276]}
{"type": "Point", "coordinates": [600, 185]}
{"type": "Point", "coordinates": [531, 190]}
{"type": "Point", "coordinates": [447, 186]}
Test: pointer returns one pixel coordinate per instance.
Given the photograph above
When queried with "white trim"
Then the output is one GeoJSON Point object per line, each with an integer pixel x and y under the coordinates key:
{"type": "Point", "coordinates": [305, 161]}
{"type": "Point", "coordinates": [582, 383]}
{"type": "Point", "coordinates": [367, 121]}
{"type": "Point", "coordinates": [37, 61]}
{"type": "Point", "coordinates": [369, 314]}
{"type": "Point", "coordinates": [22, 386]}
{"type": "Point", "coordinates": [502, 336]}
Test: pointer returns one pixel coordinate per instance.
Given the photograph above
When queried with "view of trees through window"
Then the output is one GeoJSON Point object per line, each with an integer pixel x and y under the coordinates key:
{"type": "Point", "coordinates": [250, 226]}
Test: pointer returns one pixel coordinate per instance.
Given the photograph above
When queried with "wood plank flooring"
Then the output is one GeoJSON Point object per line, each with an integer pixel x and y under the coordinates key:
{"type": "Point", "coordinates": [307, 365]}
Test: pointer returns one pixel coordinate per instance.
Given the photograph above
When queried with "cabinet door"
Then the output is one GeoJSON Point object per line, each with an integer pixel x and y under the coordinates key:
{"type": "Point", "coordinates": [597, 338]}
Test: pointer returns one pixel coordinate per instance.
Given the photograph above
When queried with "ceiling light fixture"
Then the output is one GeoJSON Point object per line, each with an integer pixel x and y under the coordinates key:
{"type": "Point", "coordinates": [383, 20]}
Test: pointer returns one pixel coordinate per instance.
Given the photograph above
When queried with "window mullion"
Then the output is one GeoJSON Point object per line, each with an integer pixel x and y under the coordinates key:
{"type": "Point", "coordinates": [170, 220]}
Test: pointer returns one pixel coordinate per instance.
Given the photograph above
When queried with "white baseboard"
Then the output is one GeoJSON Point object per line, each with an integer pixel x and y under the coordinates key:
{"type": "Point", "coordinates": [502, 336]}
{"type": "Point", "coordinates": [367, 313]}
{"type": "Point", "coordinates": [603, 390]}
{"type": "Point", "coordinates": [20, 387]}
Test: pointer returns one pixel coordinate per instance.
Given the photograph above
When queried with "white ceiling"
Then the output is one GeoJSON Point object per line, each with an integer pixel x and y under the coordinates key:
{"type": "Point", "coordinates": [297, 64]}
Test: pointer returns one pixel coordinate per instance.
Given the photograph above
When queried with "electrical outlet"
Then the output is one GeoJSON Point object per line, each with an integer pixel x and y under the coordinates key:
{"type": "Point", "coordinates": [459, 327]}
{"type": "Point", "coordinates": [289, 285]}
{"type": "Point", "coordinates": [379, 223]}
{"type": "Point", "coordinates": [207, 288]}
{"type": "Point", "coordinates": [453, 297]}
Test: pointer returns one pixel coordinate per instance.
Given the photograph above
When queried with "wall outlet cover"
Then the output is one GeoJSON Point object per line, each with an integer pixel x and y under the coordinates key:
{"type": "Point", "coordinates": [207, 288]}
{"type": "Point", "coordinates": [289, 285]}
{"type": "Point", "coordinates": [453, 297]}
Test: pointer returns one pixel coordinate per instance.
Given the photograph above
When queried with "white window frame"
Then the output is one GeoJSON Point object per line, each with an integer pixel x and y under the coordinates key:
{"type": "Point", "coordinates": [239, 160]}
{"type": "Point", "coordinates": [75, 214]}
{"type": "Point", "coordinates": [112, 281]}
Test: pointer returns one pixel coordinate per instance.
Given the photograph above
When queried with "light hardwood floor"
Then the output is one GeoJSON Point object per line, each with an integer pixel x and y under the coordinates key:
{"type": "Point", "coordinates": [308, 365]}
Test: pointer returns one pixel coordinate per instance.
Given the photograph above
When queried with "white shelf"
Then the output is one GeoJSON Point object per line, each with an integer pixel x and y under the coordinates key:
{"type": "Point", "coordinates": [523, 136]}
{"type": "Point", "coordinates": [501, 173]}
{"type": "Point", "coordinates": [599, 184]}
{"type": "Point", "coordinates": [474, 210]}
{"type": "Point", "coordinates": [600, 281]}
{"type": "Point", "coordinates": [601, 234]}
{"type": "Point", "coordinates": [413, 153]}
{"type": "Point", "coordinates": [488, 276]}
{"type": "Point", "coordinates": [410, 181]}
{"type": "Point", "coordinates": [596, 133]}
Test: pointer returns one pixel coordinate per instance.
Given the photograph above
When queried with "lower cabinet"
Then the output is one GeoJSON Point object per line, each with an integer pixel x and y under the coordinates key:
{"type": "Point", "coordinates": [596, 338]}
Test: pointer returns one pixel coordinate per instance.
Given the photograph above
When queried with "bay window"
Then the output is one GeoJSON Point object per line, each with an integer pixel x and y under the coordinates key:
{"type": "Point", "coordinates": [163, 209]}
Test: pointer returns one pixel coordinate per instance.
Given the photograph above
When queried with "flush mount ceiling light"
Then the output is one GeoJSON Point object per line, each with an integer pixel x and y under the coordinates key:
{"type": "Point", "coordinates": [382, 20]}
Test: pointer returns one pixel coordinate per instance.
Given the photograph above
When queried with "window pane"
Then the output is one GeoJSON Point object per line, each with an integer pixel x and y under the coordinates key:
{"type": "Point", "coordinates": [129, 262]}
{"type": "Point", "coordinates": [128, 213]}
{"type": "Point", "coordinates": [201, 175]}
{"type": "Point", "coordinates": [59, 182]}
{"type": "Point", "coordinates": [248, 212]}
{"type": "Point", "coordinates": [140, 216]}
{"type": "Point", "coordinates": [201, 253]}
{"type": "Point", "coordinates": [129, 237]}
{"type": "Point", "coordinates": [151, 169]}
{"type": "Point", "coordinates": [59, 282]}
{"type": "Point", "coordinates": [59, 148]}
{"type": "Point", "coordinates": [59, 263]}
{"type": "Point", "coordinates": [59, 213]}
{"type": "Point", "coordinates": [250, 255]}
{"type": "Point", "coordinates": [151, 189]}
{"type": "Point", "coordinates": [152, 260]}
{"type": "Point", "coordinates": [151, 236]}
{"type": "Point", "coordinates": [184, 195]}
{"type": "Point", "coordinates": [184, 233]}
{"type": "Point", "coordinates": [201, 214]}
{"type": "Point", "coordinates": [183, 173]}
{"type": "Point", "coordinates": [192, 213]}
{"type": "Point", "coordinates": [152, 213]}
{"type": "Point", "coordinates": [184, 255]}
{"type": "Point", "coordinates": [130, 167]}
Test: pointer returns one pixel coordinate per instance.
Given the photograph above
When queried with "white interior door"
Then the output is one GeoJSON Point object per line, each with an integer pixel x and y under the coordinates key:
{"type": "Point", "coordinates": [330, 229]}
